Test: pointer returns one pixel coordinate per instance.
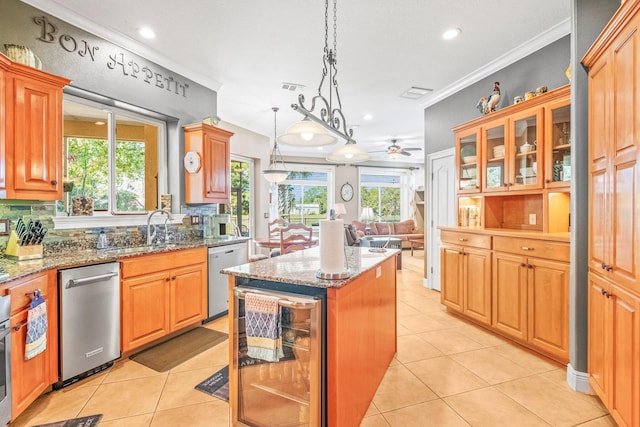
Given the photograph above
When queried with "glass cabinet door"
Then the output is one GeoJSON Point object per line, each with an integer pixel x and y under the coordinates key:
{"type": "Point", "coordinates": [559, 146]}
{"type": "Point", "coordinates": [495, 155]}
{"type": "Point", "coordinates": [468, 163]}
{"type": "Point", "coordinates": [525, 167]}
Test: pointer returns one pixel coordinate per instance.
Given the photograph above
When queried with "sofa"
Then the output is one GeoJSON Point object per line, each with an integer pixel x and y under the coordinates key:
{"type": "Point", "coordinates": [403, 230]}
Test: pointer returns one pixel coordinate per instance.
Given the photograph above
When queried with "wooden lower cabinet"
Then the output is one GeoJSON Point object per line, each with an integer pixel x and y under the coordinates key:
{"type": "Point", "coordinates": [614, 349]}
{"type": "Point", "coordinates": [361, 342]}
{"type": "Point", "coordinates": [466, 281]}
{"type": "Point", "coordinates": [157, 303]}
{"type": "Point", "coordinates": [531, 302]}
{"type": "Point", "coordinates": [30, 378]}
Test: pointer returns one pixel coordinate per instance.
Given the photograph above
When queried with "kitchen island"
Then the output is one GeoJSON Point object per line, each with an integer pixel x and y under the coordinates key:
{"type": "Point", "coordinates": [358, 320]}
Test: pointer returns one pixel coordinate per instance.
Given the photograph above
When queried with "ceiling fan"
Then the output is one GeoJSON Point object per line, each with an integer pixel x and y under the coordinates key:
{"type": "Point", "coordinates": [394, 150]}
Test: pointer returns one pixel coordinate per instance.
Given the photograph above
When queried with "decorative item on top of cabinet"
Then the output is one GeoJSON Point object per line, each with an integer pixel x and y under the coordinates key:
{"type": "Point", "coordinates": [209, 182]}
{"type": "Point", "coordinates": [31, 105]}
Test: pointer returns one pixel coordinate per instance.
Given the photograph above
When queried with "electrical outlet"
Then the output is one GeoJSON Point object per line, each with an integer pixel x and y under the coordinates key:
{"type": "Point", "coordinates": [532, 219]}
{"type": "Point", "coordinates": [195, 219]}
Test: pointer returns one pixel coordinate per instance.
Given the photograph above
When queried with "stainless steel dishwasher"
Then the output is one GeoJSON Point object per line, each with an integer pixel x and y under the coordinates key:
{"type": "Point", "coordinates": [89, 320]}
{"type": "Point", "coordinates": [221, 257]}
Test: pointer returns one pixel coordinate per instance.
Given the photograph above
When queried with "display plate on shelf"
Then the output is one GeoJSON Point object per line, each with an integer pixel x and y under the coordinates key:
{"type": "Point", "coordinates": [494, 176]}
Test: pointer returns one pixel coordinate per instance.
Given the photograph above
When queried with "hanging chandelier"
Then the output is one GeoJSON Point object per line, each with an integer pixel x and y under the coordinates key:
{"type": "Point", "coordinates": [276, 171]}
{"type": "Point", "coordinates": [324, 120]}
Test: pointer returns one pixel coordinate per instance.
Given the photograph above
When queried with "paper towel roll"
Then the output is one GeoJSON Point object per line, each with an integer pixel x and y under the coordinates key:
{"type": "Point", "coordinates": [331, 246]}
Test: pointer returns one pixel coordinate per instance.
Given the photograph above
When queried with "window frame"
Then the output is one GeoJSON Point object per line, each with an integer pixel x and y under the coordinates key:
{"type": "Point", "coordinates": [405, 186]}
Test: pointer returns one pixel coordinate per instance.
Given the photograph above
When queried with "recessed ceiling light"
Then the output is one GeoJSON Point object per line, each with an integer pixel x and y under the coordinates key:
{"type": "Point", "coordinates": [147, 33]}
{"type": "Point", "coordinates": [367, 117]}
{"type": "Point", "coordinates": [100, 123]}
{"type": "Point", "coordinates": [451, 33]}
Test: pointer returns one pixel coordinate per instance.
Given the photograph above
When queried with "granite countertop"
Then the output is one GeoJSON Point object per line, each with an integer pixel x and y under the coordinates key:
{"type": "Point", "coordinates": [300, 268]}
{"type": "Point", "coordinates": [78, 258]}
{"type": "Point", "coordinates": [563, 236]}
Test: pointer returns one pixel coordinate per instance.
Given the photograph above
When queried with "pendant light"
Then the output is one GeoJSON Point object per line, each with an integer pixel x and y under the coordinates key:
{"type": "Point", "coordinates": [276, 171]}
{"type": "Point", "coordinates": [348, 153]}
{"type": "Point", "coordinates": [321, 127]}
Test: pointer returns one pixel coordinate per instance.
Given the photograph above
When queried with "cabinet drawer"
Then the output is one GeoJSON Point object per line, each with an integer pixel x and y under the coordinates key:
{"type": "Point", "coordinates": [557, 251]}
{"type": "Point", "coordinates": [146, 264]}
{"type": "Point", "coordinates": [22, 292]}
{"type": "Point", "coordinates": [466, 239]}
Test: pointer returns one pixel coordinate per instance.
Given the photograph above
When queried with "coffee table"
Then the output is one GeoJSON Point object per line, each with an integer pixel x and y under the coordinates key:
{"type": "Point", "coordinates": [384, 242]}
{"type": "Point", "coordinates": [416, 244]}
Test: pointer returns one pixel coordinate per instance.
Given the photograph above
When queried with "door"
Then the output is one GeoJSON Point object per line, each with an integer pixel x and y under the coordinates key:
{"type": "Point", "coordinates": [188, 300]}
{"type": "Point", "coordinates": [441, 188]}
{"type": "Point", "coordinates": [510, 295]}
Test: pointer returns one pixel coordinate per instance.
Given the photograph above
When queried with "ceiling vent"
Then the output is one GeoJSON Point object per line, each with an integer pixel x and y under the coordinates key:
{"type": "Point", "coordinates": [415, 92]}
{"type": "Point", "coordinates": [293, 87]}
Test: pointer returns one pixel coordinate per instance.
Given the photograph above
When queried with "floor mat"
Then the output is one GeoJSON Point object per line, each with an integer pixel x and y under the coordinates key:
{"type": "Point", "coordinates": [90, 421]}
{"type": "Point", "coordinates": [217, 384]}
{"type": "Point", "coordinates": [171, 353]}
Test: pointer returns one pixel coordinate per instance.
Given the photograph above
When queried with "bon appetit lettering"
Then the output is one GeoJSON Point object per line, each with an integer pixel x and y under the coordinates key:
{"type": "Point", "coordinates": [118, 61]}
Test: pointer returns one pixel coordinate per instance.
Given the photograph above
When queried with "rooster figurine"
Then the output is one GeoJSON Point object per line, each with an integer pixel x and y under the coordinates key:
{"type": "Point", "coordinates": [482, 105]}
{"type": "Point", "coordinates": [494, 98]}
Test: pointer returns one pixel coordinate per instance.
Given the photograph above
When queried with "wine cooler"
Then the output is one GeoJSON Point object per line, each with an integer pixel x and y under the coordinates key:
{"type": "Point", "coordinates": [287, 391]}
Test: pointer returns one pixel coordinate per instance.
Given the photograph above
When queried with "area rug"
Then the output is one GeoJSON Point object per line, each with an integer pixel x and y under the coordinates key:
{"type": "Point", "coordinates": [170, 354]}
{"type": "Point", "coordinates": [90, 421]}
{"type": "Point", "coordinates": [217, 384]}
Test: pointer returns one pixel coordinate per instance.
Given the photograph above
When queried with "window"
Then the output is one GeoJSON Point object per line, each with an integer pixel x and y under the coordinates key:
{"type": "Point", "coordinates": [306, 194]}
{"type": "Point", "coordinates": [386, 192]}
{"type": "Point", "coordinates": [111, 157]}
{"type": "Point", "coordinates": [241, 191]}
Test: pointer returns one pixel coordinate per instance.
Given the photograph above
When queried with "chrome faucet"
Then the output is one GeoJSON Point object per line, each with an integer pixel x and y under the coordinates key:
{"type": "Point", "coordinates": [152, 236]}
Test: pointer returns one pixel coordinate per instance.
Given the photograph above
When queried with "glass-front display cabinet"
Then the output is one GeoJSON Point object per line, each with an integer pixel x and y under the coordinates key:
{"type": "Point", "coordinates": [467, 146]}
{"type": "Point", "coordinates": [558, 140]}
{"type": "Point", "coordinates": [495, 173]}
{"type": "Point", "coordinates": [526, 147]}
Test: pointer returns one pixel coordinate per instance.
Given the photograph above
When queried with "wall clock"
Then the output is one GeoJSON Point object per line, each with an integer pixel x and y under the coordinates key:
{"type": "Point", "coordinates": [346, 192]}
{"type": "Point", "coordinates": [192, 162]}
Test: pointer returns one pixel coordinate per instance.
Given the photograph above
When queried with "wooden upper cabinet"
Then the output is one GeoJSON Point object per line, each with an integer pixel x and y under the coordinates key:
{"type": "Point", "coordinates": [207, 164]}
{"type": "Point", "coordinates": [614, 182]}
{"type": "Point", "coordinates": [468, 161]}
{"type": "Point", "coordinates": [31, 114]}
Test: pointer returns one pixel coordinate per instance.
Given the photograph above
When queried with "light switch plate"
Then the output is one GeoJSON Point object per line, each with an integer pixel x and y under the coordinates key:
{"type": "Point", "coordinates": [532, 219]}
{"type": "Point", "coordinates": [195, 219]}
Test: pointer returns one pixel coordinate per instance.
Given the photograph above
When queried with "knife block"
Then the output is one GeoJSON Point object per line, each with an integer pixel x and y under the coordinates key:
{"type": "Point", "coordinates": [21, 253]}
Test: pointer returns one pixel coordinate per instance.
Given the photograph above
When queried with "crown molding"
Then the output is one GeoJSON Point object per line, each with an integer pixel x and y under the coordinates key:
{"type": "Point", "coordinates": [541, 40]}
{"type": "Point", "coordinates": [56, 9]}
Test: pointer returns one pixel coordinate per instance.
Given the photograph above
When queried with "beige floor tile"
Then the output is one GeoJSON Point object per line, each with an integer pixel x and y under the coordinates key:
{"type": "Point", "coordinates": [489, 366]}
{"type": "Point", "coordinates": [210, 414]}
{"type": "Point", "coordinates": [482, 336]}
{"type": "Point", "coordinates": [426, 305]}
{"type": "Point", "coordinates": [402, 331]}
{"type": "Point", "coordinates": [412, 348]}
{"type": "Point", "coordinates": [215, 357]}
{"type": "Point", "coordinates": [136, 421]}
{"type": "Point", "coordinates": [450, 341]}
{"type": "Point", "coordinates": [405, 309]}
{"type": "Point", "coordinates": [400, 388]}
{"type": "Point", "coordinates": [557, 405]}
{"type": "Point", "coordinates": [93, 380]}
{"type": "Point", "coordinates": [372, 410]}
{"type": "Point", "coordinates": [128, 369]}
{"type": "Point", "coordinates": [445, 318]}
{"type": "Point", "coordinates": [220, 324]}
{"type": "Point", "coordinates": [445, 376]}
{"type": "Point", "coordinates": [126, 398]}
{"type": "Point", "coordinates": [430, 414]}
{"type": "Point", "coordinates": [180, 389]}
{"type": "Point", "coordinates": [559, 378]}
{"type": "Point", "coordinates": [488, 407]}
{"type": "Point", "coordinates": [527, 358]}
{"type": "Point", "coordinates": [421, 323]}
{"type": "Point", "coordinates": [374, 421]}
{"type": "Point", "coordinates": [56, 406]}
{"type": "Point", "coordinates": [606, 421]}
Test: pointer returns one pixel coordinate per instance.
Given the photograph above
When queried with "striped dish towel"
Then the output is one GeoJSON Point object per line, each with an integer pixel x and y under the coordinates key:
{"type": "Point", "coordinates": [262, 324]}
{"type": "Point", "coordinates": [36, 328]}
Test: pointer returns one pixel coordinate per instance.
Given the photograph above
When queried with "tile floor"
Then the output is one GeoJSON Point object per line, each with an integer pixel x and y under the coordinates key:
{"type": "Point", "coordinates": [446, 373]}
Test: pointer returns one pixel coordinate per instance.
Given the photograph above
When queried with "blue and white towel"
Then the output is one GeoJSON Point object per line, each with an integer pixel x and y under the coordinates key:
{"type": "Point", "coordinates": [36, 327]}
{"type": "Point", "coordinates": [263, 327]}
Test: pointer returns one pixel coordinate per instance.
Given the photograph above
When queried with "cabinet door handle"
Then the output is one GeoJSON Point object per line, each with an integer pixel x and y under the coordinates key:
{"type": "Point", "coordinates": [54, 182]}
{"type": "Point", "coordinates": [548, 181]}
{"type": "Point", "coordinates": [174, 277]}
{"type": "Point", "coordinates": [523, 265]}
{"type": "Point", "coordinates": [530, 266]}
{"type": "Point", "coordinates": [19, 326]}
{"type": "Point", "coordinates": [462, 239]}
{"type": "Point", "coordinates": [526, 248]}
{"type": "Point", "coordinates": [166, 279]}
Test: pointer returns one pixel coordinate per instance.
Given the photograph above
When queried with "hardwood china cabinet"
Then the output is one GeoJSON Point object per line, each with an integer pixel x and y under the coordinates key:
{"type": "Point", "coordinates": [505, 266]}
{"type": "Point", "coordinates": [162, 293]}
{"type": "Point", "coordinates": [30, 132]}
{"type": "Point", "coordinates": [207, 164]}
{"type": "Point", "coordinates": [614, 221]}
{"type": "Point", "coordinates": [30, 378]}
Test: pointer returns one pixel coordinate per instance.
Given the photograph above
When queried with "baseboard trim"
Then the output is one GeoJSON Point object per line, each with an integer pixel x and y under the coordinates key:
{"type": "Point", "coordinates": [425, 283]}
{"type": "Point", "coordinates": [578, 381]}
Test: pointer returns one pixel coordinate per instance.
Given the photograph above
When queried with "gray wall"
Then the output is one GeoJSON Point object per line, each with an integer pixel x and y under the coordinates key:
{"type": "Point", "coordinates": [100, 67]}
{"type": "Point", "coordinates": [589, 18]}
{"type": "Point", "coordinates": [546, 67]}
